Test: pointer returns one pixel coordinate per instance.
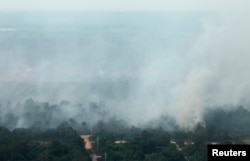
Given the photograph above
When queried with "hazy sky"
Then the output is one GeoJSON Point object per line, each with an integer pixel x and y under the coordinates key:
{"type": "Point", "coordinates": [124, 5]}
{"type": "Point", "coordinates": [172, 63]}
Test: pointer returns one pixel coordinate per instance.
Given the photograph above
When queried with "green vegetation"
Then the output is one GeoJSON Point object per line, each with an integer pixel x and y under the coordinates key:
{"type": "Point", "coordinates": [61, 144]}
{"type": "Point", "coordinates": [50, 135]}
{"type": "Point", "coordinates": [146, 145]}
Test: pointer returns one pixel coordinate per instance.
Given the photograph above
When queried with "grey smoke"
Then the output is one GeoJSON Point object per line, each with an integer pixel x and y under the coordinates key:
{"type": "Point", "coordinates": [142, 65]}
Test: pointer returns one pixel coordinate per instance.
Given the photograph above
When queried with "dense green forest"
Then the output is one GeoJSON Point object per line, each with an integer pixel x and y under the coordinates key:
{"type": "Point", "coordinates": [60, 144]}
{"type": "Point", "coordinates": [40, 131]}
{"type": "Point", "coordinates": [139, 145]}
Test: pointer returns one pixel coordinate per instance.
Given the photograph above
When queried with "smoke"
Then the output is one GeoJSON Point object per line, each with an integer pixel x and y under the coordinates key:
{"type": "Point", "coordinates": [141, 65]}
{"type": "Point", "coordinates": [218, 70]}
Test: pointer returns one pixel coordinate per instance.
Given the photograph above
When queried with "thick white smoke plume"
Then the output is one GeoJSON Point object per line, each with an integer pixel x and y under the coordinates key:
{"type": "Point", "coordinates": [142, 65]}
{"type": "Point", "coordinates": [218, 69]}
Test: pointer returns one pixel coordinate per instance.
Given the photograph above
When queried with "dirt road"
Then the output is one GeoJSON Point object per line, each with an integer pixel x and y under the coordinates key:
{"type": "Point", "coordinates": [88, 144]}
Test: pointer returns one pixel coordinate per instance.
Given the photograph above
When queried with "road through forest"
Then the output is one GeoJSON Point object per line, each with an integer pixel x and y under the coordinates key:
{"type": "Point", "coordinates": [87, 142]}
{"type": "Point", "coordinates": [88, 146]}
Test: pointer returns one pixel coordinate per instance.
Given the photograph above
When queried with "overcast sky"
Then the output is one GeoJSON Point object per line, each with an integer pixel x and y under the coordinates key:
{"type": "Point", "coordinates": [124, 5]}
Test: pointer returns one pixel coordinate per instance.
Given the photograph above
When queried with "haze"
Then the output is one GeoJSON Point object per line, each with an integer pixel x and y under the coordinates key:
{"type": "Point", "coordinates": [128, 5]}
{"type": "Point", "coordinates": [173, 63]}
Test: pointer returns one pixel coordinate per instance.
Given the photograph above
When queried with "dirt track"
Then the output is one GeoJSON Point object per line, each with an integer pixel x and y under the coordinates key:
{"type": "Point", "coordinates": [88, 144]}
